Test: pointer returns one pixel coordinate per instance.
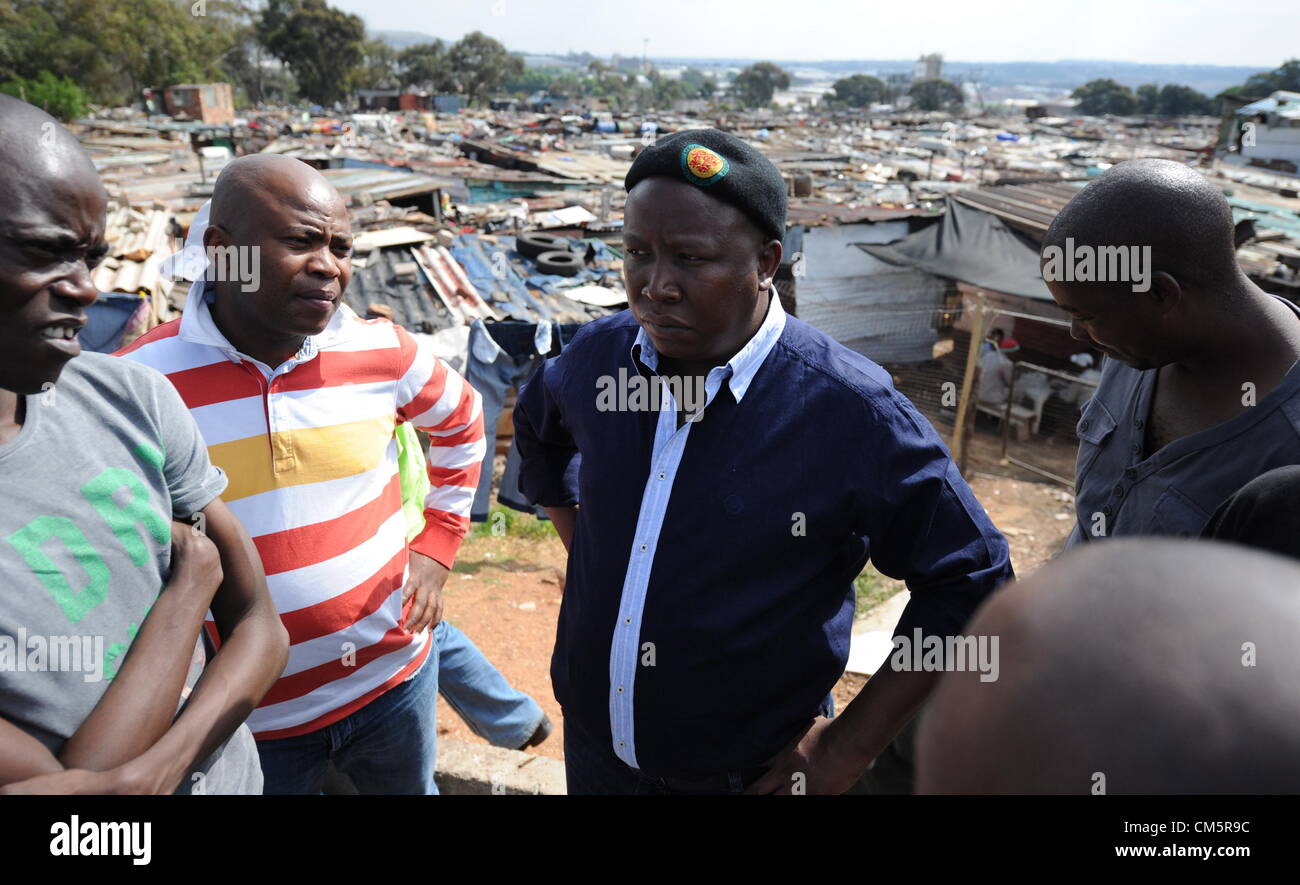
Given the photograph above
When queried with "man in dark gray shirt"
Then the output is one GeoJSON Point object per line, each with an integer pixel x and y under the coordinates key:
{"type": "Point", "coordinates": [1200, 391]}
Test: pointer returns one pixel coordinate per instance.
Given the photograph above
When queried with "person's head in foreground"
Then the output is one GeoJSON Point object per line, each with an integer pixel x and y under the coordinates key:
{"type": "Point", "coordinates": [702, 232]}
{"type": "Point", "coordinates": [1143, 261]}
{"type": "Point", "coordinates": [1144, 666]}
{"type": "Point", "coordinates": [282, 213]}
{"type": "Point", "coordinates": [52, 207]}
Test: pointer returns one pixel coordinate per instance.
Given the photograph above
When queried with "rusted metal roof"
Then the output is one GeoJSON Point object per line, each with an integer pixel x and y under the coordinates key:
{"type": "Point", "coordinates": [1029, 207]}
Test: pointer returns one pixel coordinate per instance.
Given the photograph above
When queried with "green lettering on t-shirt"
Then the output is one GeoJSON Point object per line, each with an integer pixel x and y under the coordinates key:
{"type": "Point", "coordinates": [117, 649]}
{"type": "Point", "coordinates": [152, 455]}
{"type": "Point", "coordinates": [124, 519]}
{"type": "Point", "coordinates": [28, 540]}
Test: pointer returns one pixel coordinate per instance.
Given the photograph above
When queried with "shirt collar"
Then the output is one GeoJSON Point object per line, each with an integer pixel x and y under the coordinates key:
{"type": "Point", "coordinates": [198, 326]}
{"type": "Point", "coordinates": [742, 367]}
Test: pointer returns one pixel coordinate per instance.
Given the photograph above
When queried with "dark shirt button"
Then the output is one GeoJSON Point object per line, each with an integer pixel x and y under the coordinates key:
{"type": "Point", "coordinates": [1083, 425]}
{"type": "Point", "coordinates": [1119, 491]}
{"type": "Point", "coordinates": [1138, 424]}
{"type": "Point", "coordinates": [1137, 449]}
{"type": "Point", "coordinates": [1131, 472]}
{"type": "Point", "coordinates": [1105, 511]}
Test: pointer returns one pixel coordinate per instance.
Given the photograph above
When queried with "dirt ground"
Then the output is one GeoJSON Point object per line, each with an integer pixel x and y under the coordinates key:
{"type": "Point", "coordinates": [505, 591]}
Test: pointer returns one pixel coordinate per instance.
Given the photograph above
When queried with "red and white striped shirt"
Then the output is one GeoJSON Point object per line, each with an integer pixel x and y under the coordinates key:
{"type": "Point", "coordinates": [309, 451]}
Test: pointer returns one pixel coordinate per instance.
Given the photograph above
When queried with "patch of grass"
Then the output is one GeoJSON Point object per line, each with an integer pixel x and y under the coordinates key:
{"type": "Point", "coordinates": [870, 589]}
{"type": "Point", "coordinates": [505, 522]}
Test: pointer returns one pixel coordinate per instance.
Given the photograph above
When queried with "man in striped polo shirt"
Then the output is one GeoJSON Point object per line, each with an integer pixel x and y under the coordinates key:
{"type": "Point", "coordinates": [297, 399]}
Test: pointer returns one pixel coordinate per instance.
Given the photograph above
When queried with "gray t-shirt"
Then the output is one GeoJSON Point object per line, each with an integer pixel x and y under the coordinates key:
{"type": "Point", "coordinates": [102, 464]}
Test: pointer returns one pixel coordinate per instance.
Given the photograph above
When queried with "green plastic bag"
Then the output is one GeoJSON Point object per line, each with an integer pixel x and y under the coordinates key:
{"type": "Point", "coordinates": [413, 474]}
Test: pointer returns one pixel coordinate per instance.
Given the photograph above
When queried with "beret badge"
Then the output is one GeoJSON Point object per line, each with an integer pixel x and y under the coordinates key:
{"type": "Point", "coordinates": [703, 166]}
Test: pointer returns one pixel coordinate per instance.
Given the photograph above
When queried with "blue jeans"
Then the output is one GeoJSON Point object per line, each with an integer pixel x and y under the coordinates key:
{"type": "Point", "coordinates": [387, 747]}
{"type": "Point", "coordinates": [501, 715]}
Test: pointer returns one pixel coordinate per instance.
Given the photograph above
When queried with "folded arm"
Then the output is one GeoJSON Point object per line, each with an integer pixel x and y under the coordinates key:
{"type": "Point", "coordinates": [132, 741]}
{"type": "Point", "coordinates": [140, 703]}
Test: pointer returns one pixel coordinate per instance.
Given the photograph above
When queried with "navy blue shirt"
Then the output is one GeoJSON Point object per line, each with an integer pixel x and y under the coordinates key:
{"type": "Point", "coordinates": [725, 565]}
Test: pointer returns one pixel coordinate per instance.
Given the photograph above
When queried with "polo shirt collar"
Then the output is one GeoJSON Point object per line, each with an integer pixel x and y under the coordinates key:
{"type": "Point", "coordinates": [742, 367]}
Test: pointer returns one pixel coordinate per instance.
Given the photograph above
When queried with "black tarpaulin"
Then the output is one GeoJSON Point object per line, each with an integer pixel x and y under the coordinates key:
{"type": "Point", "coordinates": [973, 247]}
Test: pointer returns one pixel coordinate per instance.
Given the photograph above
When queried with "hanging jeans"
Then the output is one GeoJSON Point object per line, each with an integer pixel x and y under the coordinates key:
{"type": "Point", "coordinates": [502, 356]}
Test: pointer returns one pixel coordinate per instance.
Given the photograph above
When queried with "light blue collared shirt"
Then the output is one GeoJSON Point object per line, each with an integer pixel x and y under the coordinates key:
{"type": "Point", "coordinates": [669, 445]}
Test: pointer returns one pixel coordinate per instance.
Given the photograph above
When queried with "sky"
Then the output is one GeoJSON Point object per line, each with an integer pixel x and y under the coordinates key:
{"type": "Point", "coordinates": [1259, 34]}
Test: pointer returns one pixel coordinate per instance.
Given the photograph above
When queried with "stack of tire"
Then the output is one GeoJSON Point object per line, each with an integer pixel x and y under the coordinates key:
{"type": "Point", "coordinates": [550, 252]}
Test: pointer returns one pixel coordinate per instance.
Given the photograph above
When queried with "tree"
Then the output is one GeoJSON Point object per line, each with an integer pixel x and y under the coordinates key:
{"type": "Point", "coordinates": [378, 68]}
{"type": "Point", "coordinates": [756, 84]}
{"type": "Point", "coordinates": [319, 43]}
{"type": "Point", "coordinates": [57, 96]}
{"type": "Point", "coordinates": [697, 84]}
{"type": "Point", "coordinates": [1180, 101]}
{"type": "Point", "coordinates": [859, 90]}
{"type": "Point", "coordinates": [426, 65]}
{"type": "Point", "coordinates": [1105, 96]}
{"type": "Point", "coordinates": [935, 95]}
{"type": "Point", "coordinates": [115, 48]}
{"type": "Point", "coordinates": [250, 67]}
{"type": "Point", "coordinates": [1148, 99]}
{"type": "Point", "coordinates": [482, 64]}
{"type": "Point", "coordinates": [1286, 76]}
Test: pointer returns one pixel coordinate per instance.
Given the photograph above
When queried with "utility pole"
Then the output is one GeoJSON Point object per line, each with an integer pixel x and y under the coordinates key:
{"type": "Point", "coordinates": [960, 432]}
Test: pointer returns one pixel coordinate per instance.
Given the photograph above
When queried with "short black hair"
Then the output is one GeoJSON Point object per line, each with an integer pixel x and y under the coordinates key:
{"type": "Point", "coordinates": [1162, 204]}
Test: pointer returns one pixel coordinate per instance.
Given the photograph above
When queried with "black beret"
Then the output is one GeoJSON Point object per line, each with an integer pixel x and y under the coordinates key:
{"type": "Point", "coordinates": [723, 166]}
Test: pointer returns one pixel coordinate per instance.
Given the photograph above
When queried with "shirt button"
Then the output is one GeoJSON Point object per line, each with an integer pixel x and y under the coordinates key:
{"type": "Point", "coordinates": [620, 689]}
{"type": "Point", "coordinates": [1119, 491]}
{"type": "Point", "coordinates": [1131, 472]}
{"type": "Point", "coordinates": [1083, 425]}
{"type": "Point", "coordinates": [1138, 424]}
{"type": "Point", "coordinates": [1137, 449]}
{"type": "Point", "coordinates": [643, 548]}
{"type": "Point", "coordinates": [661, 475]}
{"type": "Point", "coordinates": [620, 744]}
{"type": "Point", "coordinates": [627, 620]}
{"type": "Point", "coordinates": [1106, 510]}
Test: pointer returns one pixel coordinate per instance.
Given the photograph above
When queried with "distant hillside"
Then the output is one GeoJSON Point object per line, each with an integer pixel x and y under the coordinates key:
{"type": "Point", "coordinates": [1210, 79]}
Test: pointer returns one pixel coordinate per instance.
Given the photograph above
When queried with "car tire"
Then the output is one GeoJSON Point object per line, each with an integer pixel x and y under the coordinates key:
{"type": "Point", "coordinates": [531, 245]}
{"type": "Point", "coordinates": [565, 264]}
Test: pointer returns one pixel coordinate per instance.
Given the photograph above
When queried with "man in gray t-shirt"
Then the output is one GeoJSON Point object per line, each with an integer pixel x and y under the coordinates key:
{"type": "Point", "coordinates": [106, 458]}
{"type": "Point", "coordinates": [102, 591]}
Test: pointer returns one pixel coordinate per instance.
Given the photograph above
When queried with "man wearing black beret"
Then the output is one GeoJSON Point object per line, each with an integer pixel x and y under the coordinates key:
{"type": "Point", "coordinates": [715, 525]}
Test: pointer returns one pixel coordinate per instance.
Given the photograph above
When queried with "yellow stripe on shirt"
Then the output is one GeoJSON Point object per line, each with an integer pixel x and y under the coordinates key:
{"type": "Point", "coordinates": [307, 455]}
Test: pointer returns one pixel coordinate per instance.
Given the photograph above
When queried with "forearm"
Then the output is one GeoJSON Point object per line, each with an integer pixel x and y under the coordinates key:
{"type": "Point", "coordinates": [254, 649]}
{"type": "Point", "coordinates": [23, 756]}
{"type": "Point", "coordinates": [141, 702]}
{"type": "Point", "coordinates": [251, 658]}
{"type": "Point", "coordinates": [564, 519]}
{"type": "Point", "coordinates": [884, 705]}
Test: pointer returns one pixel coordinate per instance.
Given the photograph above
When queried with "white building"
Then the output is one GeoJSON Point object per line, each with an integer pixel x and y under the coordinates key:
{"type": "Point", "coordinates": [1270, 129]}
